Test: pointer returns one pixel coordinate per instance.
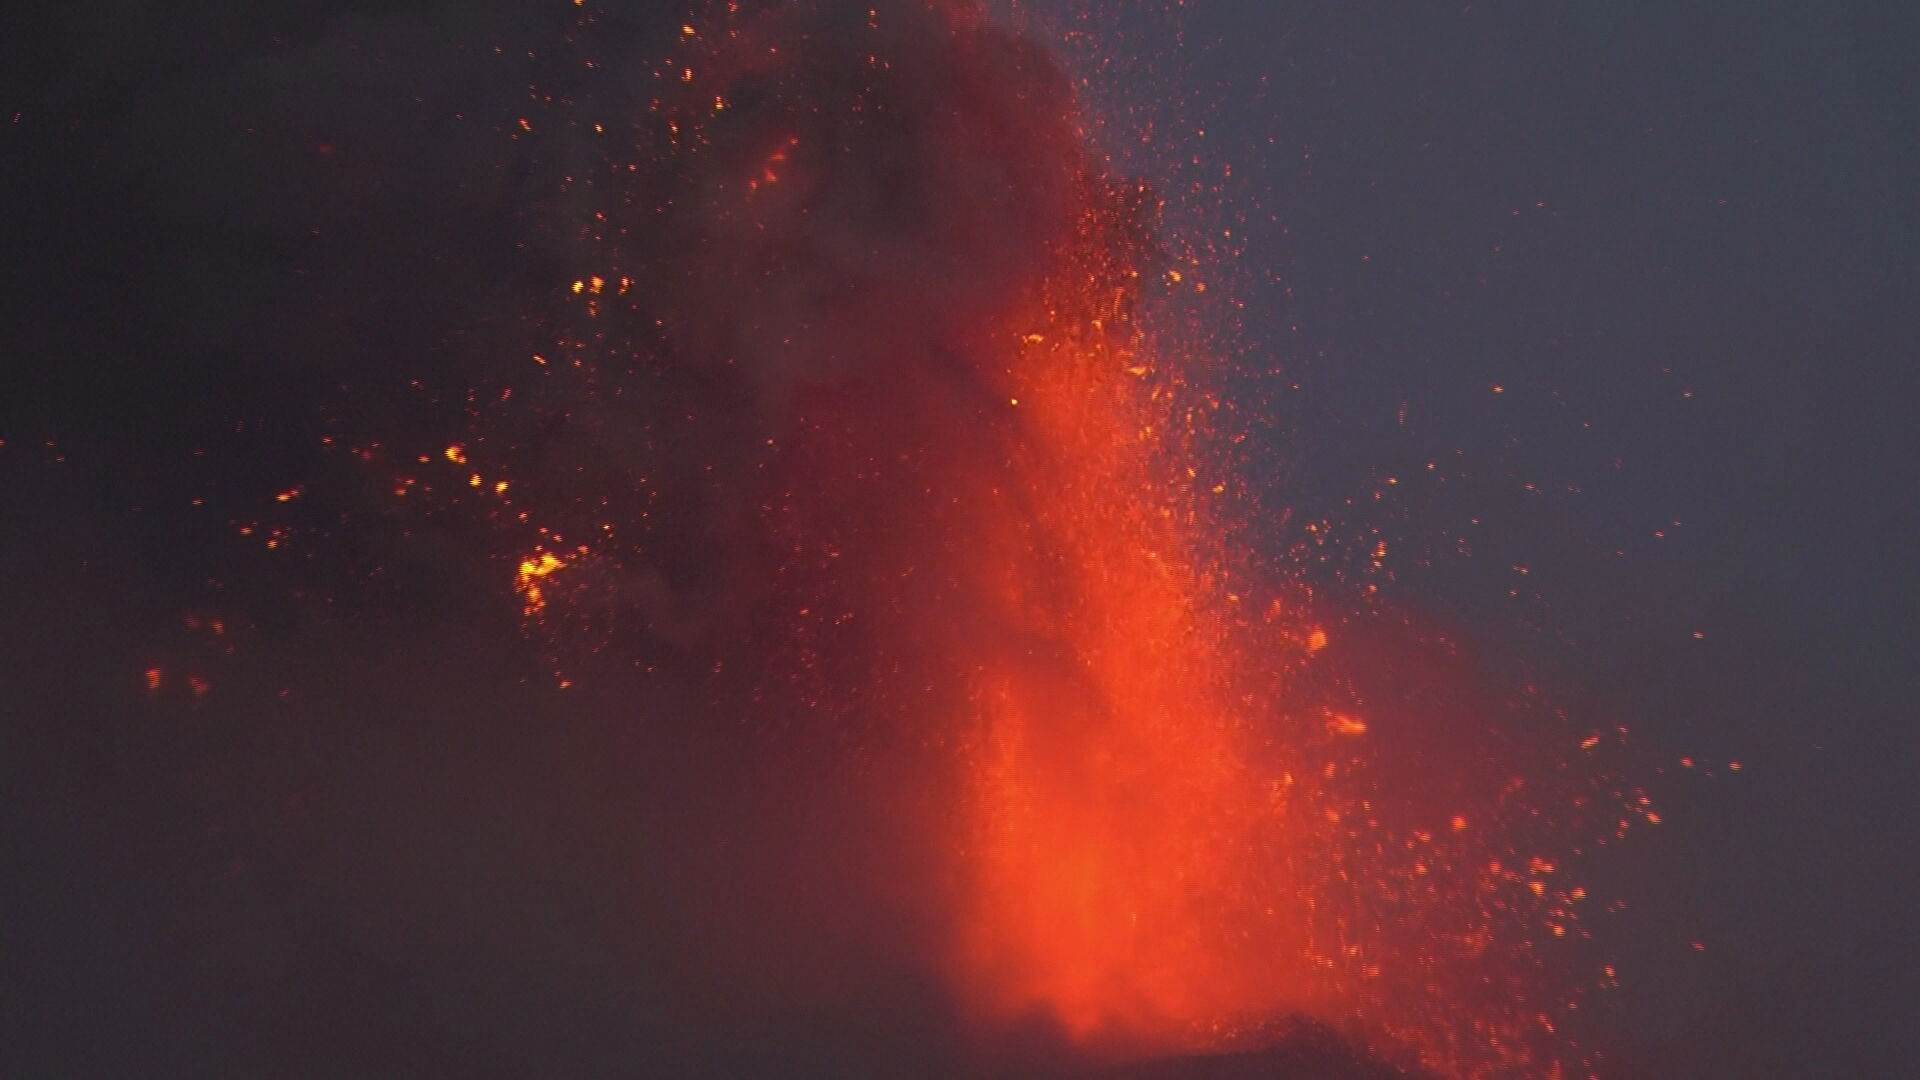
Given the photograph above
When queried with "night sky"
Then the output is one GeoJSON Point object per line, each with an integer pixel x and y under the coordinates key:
{"type": "Point", "coordinates": [1638, 278]}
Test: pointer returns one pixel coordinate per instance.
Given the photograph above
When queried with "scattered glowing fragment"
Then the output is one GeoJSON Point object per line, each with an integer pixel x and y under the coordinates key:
{"type": "Point", "coordinates": [527, 582]}
{"type": "Point", "coordinates": [1346, 724]}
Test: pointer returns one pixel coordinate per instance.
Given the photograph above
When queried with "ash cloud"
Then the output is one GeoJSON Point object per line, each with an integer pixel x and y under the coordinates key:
{"type": "Point", "coordinates": [817, 254]}
{"type": "Point", "coordinates": [873, 193]}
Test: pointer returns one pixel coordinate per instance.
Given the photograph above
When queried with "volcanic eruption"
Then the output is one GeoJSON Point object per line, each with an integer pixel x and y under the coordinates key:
{"type": "Point", "coordinates": [896, 653]}
{"type": "Point", "coordinates": [860, 422]}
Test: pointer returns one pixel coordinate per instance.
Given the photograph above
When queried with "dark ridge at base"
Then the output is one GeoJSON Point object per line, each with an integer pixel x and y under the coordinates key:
{"type": "Point", "coordinates": [1299, 1050]}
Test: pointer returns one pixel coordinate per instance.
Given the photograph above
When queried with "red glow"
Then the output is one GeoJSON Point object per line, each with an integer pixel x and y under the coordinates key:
{"type": "Point", "coordinates": [1125, 873]}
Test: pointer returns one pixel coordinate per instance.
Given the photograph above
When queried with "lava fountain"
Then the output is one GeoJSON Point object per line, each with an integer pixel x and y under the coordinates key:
{"type": "Point", "coordinates": [1119, 826]}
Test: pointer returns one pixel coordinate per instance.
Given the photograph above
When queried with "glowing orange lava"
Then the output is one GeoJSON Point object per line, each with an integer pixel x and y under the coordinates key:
{"type": "Point", "coordinates": [1119, 833]}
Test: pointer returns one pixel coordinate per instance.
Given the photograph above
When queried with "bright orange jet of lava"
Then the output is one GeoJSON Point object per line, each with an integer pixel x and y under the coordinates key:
{"type": "Point", "coordinates": [1121, 844]}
